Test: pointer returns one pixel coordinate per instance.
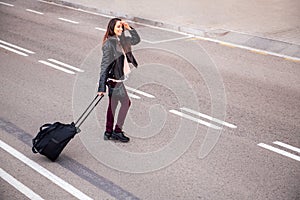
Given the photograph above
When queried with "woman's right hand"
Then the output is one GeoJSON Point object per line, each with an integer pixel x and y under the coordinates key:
{"type": "Point", "coordinates": [101, 93]}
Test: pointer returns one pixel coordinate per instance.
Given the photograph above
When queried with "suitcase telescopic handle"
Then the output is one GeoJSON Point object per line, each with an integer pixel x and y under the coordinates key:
{"type": "Point", "coordinates": [84, 115]}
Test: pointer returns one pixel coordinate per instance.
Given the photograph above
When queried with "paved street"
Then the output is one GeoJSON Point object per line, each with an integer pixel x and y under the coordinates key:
{"type": "Point", "coordinates": [208, 120]}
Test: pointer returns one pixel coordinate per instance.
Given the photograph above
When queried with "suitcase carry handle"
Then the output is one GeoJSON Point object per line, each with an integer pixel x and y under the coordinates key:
{"type": "Point", "coordinates": [88, 112]}
{"type": "Point", "coordinates": [41, 134]}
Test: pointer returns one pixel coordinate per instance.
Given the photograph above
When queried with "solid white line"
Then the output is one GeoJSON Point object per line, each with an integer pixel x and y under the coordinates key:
{"type": "Point", "coordinates": [13, 50]}
{"type": "Point", "coordinates": [17, 47]}
{"type": "Point", "coordinates": [140, 92]}
{"type": "Point", "coordinates": [209, 117]}
{"type": "Point", "coordinates": [44, 172]}
{"type": "Point", "coordinates": [195, 119]}
{"type": "Point", "coordinates": [279, 151]}
{"type": "Point", "coordinates": [100, 29]}
{"type": "Point", "coordinates": [133, 96]}
{"type": "Point", "coordinates": [67, 20]}
{"type": "Point", "coordinates": [19, 186]}
{"type": "Point", "coordinates": [287, 146]}
{"type": "Point", "coordinates": [56, 67]}
{"type": "Point", "coordinates": [33, 11]}
{"type": "Point", "coordinates": [248, 48]}
{"type": "Point", "coordinates": [93, 13]}
{"type": "Point", "coordinates": [6, 4]}
{"type": "Point", "coordinates": [65, 65]}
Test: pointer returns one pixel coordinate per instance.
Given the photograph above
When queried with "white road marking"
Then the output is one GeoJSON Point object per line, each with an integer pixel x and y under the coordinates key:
{"type": "Point", "coordinates": [248, 48]}
{"type": "Point", "coordinates": [93, 13]}
{"type": "Point", "coordinates": [6, 4]}
{"type": "Point", "coordinates": [140, 92]}
{"type": "Point", "coordinates": [195, 119]}
{"type": "Point", "coordinates": [279, 151]}
{"type": "Point", "coordinates": [44, 172]}
{"type": "Point", "coordinates": [100, 29]}
{"type": "Point", "coordinates": [293, 60]}
{"type": "Point", "coordinates": [133, 96]}
{"type": "Point", "coordinates": [19, 186]}
{"type": "Point", "coordinates": [56, 67]}
{"type": "Point", "coordinates": [65, 65]}
{"type": "Point", "coordinates": [209, 117]}
{"type": "Point", "coordinates": [13, 50]}
{"type": "Point", "coordinates": [67, 20]}
{"type": "Point", "coordinates": [34, 11]}
{"type": "Point", "coordinates": [287, 146]}
{"type": "Point", "coordinates": [17, 47]}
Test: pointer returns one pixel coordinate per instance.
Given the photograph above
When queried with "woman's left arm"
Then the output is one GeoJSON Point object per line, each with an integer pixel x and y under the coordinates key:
{"type": "Point", "coordinates": [135, 38]}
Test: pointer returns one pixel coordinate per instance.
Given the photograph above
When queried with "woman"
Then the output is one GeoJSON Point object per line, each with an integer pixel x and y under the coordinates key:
{"type": "Point", "coordinates": [114, 71]}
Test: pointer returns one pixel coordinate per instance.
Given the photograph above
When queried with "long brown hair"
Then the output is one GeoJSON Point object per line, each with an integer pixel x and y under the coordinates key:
{"type": "Point", "coordinates": [110, 29]}
{"type": "Point", "coordinates": [110, 32]}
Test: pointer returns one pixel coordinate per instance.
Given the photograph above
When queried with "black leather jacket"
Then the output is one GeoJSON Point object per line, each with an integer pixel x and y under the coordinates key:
{"type": "Point", "coordinates": [113, 58]}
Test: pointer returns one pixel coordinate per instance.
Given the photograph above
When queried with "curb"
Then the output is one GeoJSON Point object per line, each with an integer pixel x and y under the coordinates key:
{"type": "Point", "coordinates": [226, 37]}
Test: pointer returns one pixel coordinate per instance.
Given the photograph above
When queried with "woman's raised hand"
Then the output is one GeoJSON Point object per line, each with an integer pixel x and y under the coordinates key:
{"type": "Point", "coordinates": [126, 25]}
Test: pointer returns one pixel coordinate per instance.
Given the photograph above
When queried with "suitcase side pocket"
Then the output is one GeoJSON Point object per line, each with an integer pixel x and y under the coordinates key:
{"type": "Point", "coordinates": [52, 149]}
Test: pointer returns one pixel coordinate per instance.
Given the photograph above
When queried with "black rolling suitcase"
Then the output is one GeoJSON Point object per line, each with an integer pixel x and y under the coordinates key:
{"type": "Point", "coordinates": [52, 138]}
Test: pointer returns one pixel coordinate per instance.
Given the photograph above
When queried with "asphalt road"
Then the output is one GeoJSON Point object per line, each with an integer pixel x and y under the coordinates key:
{"type": "Point", "coordinates": [201, 119]}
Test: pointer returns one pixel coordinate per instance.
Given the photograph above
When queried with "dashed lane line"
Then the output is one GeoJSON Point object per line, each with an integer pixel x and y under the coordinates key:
{"type": "Point", "coordinates": [19, 186]}
{"type": "Point", "coordinates": [279, 151]}
{"type": "Point", "coordinates": [195, 119]}
{"type": "Point", "coordinates": [68, 20]}
{"type": "Point", "coordinates": [6, 4]}
{"type": "Point", "coordinates": [44, 172]}
{"type": "Point", "coordinates": [65, 65]}
{"type": "Point", "coordinates": [198, 114]}
{"type": "Point", "coordinates": [35, 12]}
{"type": "Point", "coordinates": [13, 50]}
{"type": "Point", "coordinates": [18, 50]}
{"type": "Point", "coordinates": [56, 67]}
{"type": "Point", "coordinates": [16, 47]}
{"type": "Point", "coordinates": [208, 117]}
{"type": "Point", "coordinates": [287, 146]}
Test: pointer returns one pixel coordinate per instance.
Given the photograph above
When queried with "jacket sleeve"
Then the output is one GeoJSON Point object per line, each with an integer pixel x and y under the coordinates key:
{"type": "Point", "coordinates": [135, 38]}
{"type": "Point", "coordinates": [106, 65]}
